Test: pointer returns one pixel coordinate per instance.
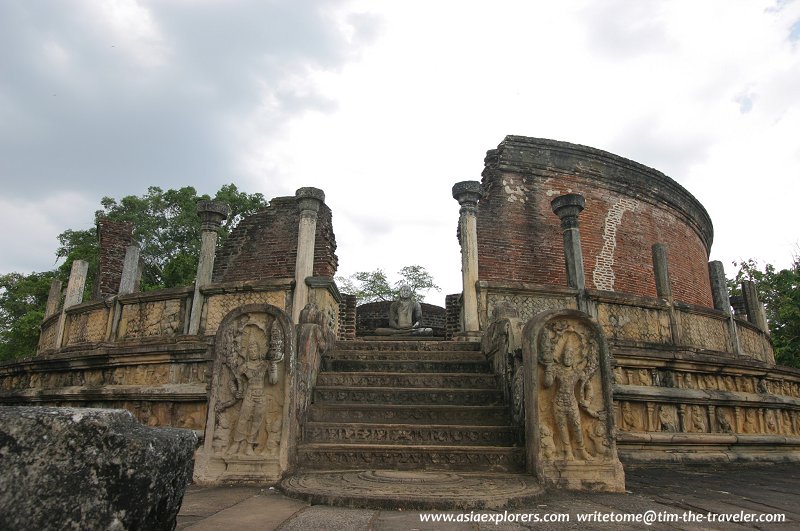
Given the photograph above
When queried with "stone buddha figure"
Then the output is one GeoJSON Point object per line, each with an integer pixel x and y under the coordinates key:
{"type": "Point", "coordinates": [405, 315]}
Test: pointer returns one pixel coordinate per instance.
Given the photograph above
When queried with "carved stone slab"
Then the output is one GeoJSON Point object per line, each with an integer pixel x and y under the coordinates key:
{"type": "Point", "coordinates": [245, 435]}
{"type": "Point", "coordinates": [569, 420]}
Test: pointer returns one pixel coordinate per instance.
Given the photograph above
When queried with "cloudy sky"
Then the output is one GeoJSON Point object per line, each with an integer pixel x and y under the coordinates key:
{"type": "Point", "coordinates": [386, 104]}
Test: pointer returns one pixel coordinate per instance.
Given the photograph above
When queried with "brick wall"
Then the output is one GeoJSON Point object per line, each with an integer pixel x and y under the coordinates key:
{"type": "Point", "coordinates": [347, 318]}
{"type": "Point", "coordinates": [629, 207]}
{"type": "Point", "coordinates": [114, 238]}
{"type": "Point", "coordinates": [452, 305]}
{"type": "Point", "coordinates": [372, 315]}
{"type": "Point", "coordinates": [264, 245]}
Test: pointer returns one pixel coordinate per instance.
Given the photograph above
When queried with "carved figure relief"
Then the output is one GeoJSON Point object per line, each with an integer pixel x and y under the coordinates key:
{"type": "Point", "coordinates": [568, 368]}
{"type": "Point", "coordinates": [314, 338]}
{"type": "Point", "coordinates": [245, 417]}
{"type": "Point", "coordinates": [668, 418]}
{"type": "Point", "coordinates": [502, 346]}
{"type": "Point", "coordinates": [724, 419]}
{"type": "Point", "coordinates": [569, 412]}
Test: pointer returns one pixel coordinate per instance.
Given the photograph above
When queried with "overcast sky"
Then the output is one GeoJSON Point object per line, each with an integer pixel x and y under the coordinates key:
{"type": "Point", "coordinates": [386, 104]}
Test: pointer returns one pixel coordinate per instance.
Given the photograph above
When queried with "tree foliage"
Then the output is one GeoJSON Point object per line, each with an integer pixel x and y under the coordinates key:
{"type": "Point", "coordinates": [166, 226]}
{"type": "Point", "coordinates": [22, 303]}
{"type": "Point", "coordinates": [373, 286]}
{"type": "Point", "coordinates": [779, 291]}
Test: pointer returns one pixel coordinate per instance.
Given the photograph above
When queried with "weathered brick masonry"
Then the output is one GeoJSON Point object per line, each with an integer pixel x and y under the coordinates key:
{"type": "Point", "coordinates": [114, 238]}
{"type": "Point", "coordinates": [264, 245]}
{"type": "Point", "coordinates": [629, 207]}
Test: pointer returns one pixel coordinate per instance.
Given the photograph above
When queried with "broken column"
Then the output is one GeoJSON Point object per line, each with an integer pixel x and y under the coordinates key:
{"type": "Point", "coordinates": [53, 299]}
{"type": "Point", "coordinates": [754, 308]}
{"type": "Point", "coordinates": [308, 200]}
{"type": "Point", "coordinates": [719, 294]}
{"type": "Point", "coordinates": [212, 213]}
{"type": "Point", "coordinates": [74, 295]}
{"type": "Point", "coordinates": [467, 193]}
{"type": "Point", "coordinates": [131, 272]}
{"type": "Point", "coordinates": [664, 287]}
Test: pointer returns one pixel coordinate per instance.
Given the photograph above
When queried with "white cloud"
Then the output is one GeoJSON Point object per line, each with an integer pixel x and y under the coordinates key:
{"type": "Point", "coordinates": [385, 105]}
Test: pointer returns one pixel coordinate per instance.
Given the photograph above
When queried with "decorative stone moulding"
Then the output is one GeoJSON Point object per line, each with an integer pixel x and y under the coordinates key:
{"type": "Point", "coordinates": [569, 418]}
{"type": "Point", "coordinates": [246, 439]}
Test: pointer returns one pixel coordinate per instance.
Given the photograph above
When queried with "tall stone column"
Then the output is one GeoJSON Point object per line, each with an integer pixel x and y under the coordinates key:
{"type": "Point", "coordinates": [664, 287]}
{"type": "Point", "coordinates": [212, 213]}
{"type": "Point", "coordinates": [308, 200]}
{"type": "Point", "coordinates": [467, 193]}
{"type": "Point", "coordinates": [567, 207]}
{"type": "Point", "coordinates": [74, 295]}
{"type": "Point", "coordinates": [719, 293]}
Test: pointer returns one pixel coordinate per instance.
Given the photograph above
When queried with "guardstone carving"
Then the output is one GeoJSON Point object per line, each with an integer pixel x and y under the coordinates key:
{"type": "Point", "coordinates": [569, 418]}
{"type": "Point", "coordinates": [245, 423]}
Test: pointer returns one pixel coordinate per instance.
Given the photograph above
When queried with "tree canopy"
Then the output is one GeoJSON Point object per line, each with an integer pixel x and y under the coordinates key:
{"type": "Point", "coordinates": [373, 286]}
{"type": "Point", "coordinates": [779, 291]}
{"type": "Point", "coordinates": [167, 228]}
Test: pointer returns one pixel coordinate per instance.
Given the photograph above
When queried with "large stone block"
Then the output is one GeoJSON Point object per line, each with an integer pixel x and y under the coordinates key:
{"type": "Point", "coordinates": [75, 468]}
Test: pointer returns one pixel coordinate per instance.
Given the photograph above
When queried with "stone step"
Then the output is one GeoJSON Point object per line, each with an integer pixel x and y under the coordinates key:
{"type": "Point", "coordinates": [410, 434]}
{"type": "Point", "coordinates": [324, 456]}
{"type": "Point", "coordinates": [406, 355]}
{"type": "Point", "coordinates": [417, 345]}
{"type": "Point", "coordinates": [407, 380]}
{"type": "Point", "coordinates": [388, 395]}
{"type": "Point", "coordinates": [410, 414]}
{"type": "Point", "coordinates": [420, 366]}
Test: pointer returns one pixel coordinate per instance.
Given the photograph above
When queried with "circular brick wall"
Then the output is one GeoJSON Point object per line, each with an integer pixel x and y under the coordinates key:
{"type": "Point", "coordinates": [629, 207]}
{"type": "Point", "coordinates": [372, 315]}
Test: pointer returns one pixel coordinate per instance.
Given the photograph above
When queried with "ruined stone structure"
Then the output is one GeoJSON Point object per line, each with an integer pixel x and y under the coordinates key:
{"type": "Point", "coordinates": [591, 331]}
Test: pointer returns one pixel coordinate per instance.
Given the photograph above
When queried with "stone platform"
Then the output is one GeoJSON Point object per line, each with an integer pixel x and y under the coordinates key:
{"type": "Point", "coordinates": [380, 489]}
{"type": "Point", "coordinates": [719, 489]}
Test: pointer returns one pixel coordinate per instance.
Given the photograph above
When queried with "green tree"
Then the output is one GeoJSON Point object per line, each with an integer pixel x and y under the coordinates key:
{"type": "Point", "coordinates": [22, 303]}
{"type": "Point", "coordinates": [373, 286]}
{"type": "Point", "coordinates": [166, 226]}
{"type": "Point", "coordinates": [779, 291]}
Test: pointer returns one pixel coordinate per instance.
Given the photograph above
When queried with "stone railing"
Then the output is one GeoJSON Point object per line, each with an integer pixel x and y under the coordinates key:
{"type": "Point", "coordinates": [634, 320]}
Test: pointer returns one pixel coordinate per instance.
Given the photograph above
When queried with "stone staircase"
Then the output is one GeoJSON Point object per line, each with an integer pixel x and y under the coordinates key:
{"type": "Point", "coordinates": [409, 405]}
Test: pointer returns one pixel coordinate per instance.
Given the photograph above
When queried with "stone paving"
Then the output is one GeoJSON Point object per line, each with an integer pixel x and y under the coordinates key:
{"type": "Point", "coordinates": [728, 489]}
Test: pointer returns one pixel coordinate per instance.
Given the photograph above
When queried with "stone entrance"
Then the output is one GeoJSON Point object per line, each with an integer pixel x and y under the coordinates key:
{"type": "Point", "coordinates": [415, 424]}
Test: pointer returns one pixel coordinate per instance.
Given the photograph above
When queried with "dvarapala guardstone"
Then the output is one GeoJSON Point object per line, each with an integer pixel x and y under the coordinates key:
{"type": "Point", "coordinates": [80, 468]}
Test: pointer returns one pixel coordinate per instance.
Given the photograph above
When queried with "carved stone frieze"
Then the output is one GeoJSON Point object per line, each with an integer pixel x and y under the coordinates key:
{"type": "Point", "coordinates": [634, 323]}
{"type": "Point", "coordinates": [245, 423]}
{"type": "Point", "coordinates": [703, 331]}
{"type": "Point", "coordinates": [528, 305]}
{"type": "Point", "coordinates": [148, 319]}
{"type": "Point", "coordinates": [220, 305]}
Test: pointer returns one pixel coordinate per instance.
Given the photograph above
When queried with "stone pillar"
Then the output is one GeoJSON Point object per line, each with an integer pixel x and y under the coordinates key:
{"type": "Point", "coordinates": [661, 271]}
{"type": "Point", "coordinates": [212, 213]}
{"type": "Point", "coordinates": [739, 309]}
{"type": "Point", "coordinates": [308, 200]}
{"type": "Point", "coordinates": [722, 302]}
{"type": "Point", "coordinates": [467, 193]}
{"type": "Point", "coordinates": [664, 287]}
{"type": "Point", "coordinates": [130, 271]}
{"type": "Point", "coordinates": [567, 207]}
{"type": "Point", "coordinates": [74, 295]}
{"type": "Point", "coordinates": [719, 289]}
{"type": "Point", "coordinates": [53, 299]}
{"type": "Point", "coordinates": [755, 310]}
